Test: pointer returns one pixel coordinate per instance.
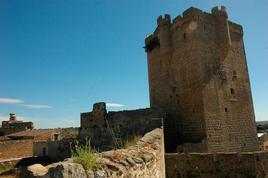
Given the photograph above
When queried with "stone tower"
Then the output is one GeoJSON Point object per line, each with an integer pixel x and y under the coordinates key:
{"type": "Point", "coordinates": [198, 74]}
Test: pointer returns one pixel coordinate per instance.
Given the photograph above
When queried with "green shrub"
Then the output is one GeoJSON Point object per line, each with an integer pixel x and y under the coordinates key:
{"type": "Point", "coordinates": [7, 167]}
{"type": "Point", "coordinates": [86, 156]}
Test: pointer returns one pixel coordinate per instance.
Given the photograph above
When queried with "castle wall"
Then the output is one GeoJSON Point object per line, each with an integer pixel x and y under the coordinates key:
{"type": "Point", "coordinates": [55, 150]}
{"type": "Point", "coordinates": [221, 165]}
{"type": "Point", "coordinates": [198, 75]}
{"type": "Point", "coordinates": [109, 130]}
{"type": "Point", "coordinates": [16, 149]}
{"type": "Point", "coordinates": [8, 128]}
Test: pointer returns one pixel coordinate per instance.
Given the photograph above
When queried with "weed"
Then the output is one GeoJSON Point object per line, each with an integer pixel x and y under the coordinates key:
{"type": "Point", "coordinates": [85, 155]}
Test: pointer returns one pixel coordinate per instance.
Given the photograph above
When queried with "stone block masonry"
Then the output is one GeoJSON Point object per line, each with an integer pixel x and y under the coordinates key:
{"type": "Point", "coordinates": [198, 75]}
{"type": "Point", "coordinates": [220, 165]}
{"type": "Point", "coordinates": [145, 159]}
{"type": "Point", "coordinates": [108, 130]}
{"type": "Point", "coordinates": [16, 149]}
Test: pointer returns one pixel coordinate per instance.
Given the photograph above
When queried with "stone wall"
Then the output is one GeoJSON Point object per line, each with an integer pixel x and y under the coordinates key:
{"type": "Point", "coordinates": [108, 130]}
{"type": "Point", "coordinates": [198, 75]}
{"type": "Point", "coordinates": [221, 165]}
{"type": "Point", "coordinates": [145, 159]}
{"type": "Point", "coordinates": [15, 127]}
{"type": "Point", "coordinates": [16, 149]}
{"type": "Point", "coordinates": [55, 150]}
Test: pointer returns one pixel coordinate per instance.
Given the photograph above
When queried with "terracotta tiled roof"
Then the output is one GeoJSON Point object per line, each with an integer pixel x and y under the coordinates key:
{"type": "Point", "coordinates": [31, 133]}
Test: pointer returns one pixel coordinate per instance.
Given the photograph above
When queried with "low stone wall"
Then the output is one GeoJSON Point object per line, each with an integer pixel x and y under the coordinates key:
{"type": "Point", "coordinates": [145, 159]}
{"type": "Point", "coordinates": [55, 150]}
{"type": "Point", "coordinates": [220, 165]}
{"type": "Point", "coordinates": [16, 149]}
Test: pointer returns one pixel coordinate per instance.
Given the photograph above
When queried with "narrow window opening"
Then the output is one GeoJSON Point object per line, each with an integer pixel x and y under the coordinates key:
{"type": "Point", "coordinates": [234, 72]}
{"type": "Point", "coordinates": [234, 75]}
{"type": "Point", "coordinates": [44, 151]}
{"type": "Point", "coordinates": [226, 109]}
{"type": "Point", "coordinates": [232, 91]}
{"type": "Point", "coordinates": [56, 137]}
{"type": "Point", "coordinates": [184, 36]}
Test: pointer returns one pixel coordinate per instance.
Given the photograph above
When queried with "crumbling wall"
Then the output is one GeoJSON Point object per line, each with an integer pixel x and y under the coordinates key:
{"type": "Point", "coordinates": [221, 165]}
{"type": "Point", "coordinates": [145, 159]}
{"type": "Point", "coordinates": [16, 149]}
{"type": "Point", "coordinates": [109, 130]}
{"type": "Point", "coordinates": [55, 150]}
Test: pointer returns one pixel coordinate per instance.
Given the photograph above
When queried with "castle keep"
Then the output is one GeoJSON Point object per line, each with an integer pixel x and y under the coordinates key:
{"type": "Point", "coordinates": [198, 75]}
{"type": "Point", "coordinates": [200, 101]}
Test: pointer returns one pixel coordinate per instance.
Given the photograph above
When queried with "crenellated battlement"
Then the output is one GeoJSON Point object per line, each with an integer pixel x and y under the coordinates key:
{"type": "Point", "coordinates": [163, 19]}
{"type": "Point", "coordinates": [217, 17]}
{"type": "Point", "coordinates": [193, 13]}
{"type": "Point", "coordinates": [219, 12]}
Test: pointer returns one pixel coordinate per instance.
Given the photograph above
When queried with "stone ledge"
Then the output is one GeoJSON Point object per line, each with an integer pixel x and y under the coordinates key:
{"type": "Point", "coordinates": [145, 159]}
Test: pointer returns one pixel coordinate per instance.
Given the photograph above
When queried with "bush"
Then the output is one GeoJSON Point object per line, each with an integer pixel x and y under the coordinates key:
{"type": "Point", "coordinates": [86, 156]}
{"type": "Point", "coordinates": [7, 167]}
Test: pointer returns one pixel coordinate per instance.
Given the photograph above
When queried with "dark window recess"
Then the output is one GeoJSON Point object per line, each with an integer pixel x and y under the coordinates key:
{"type": "Point", "coordinates": [234, 75]}
{"type": "Point", "coordinates": [151, 44]}
{"type": "Point", "coordinates": [232, 91]}
{"type": "Point", "coordinates": [226, 109]}
{"type": "Point", "coordinates": [44, 151]}
{"type": "Point", "coordinates": [56, 137]}
{"type": "Point", "coordinates": [234, 72]}
{"type": "Point", "coordinates": [184, 36]}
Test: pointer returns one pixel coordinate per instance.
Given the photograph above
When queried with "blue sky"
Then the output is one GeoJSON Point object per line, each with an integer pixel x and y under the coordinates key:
{"type": "Point", "coordinates": [59, 57]}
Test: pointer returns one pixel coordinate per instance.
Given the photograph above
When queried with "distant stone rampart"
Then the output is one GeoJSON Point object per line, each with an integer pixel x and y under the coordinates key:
{"type": "Point", "coordinates": [16, 149]}
{"type": "Point", "coordinates": [108, 130]}
{"type": "Point", "coordinates": [220, 165]}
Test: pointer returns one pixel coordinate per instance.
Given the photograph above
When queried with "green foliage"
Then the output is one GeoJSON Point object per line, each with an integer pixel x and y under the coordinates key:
{"type": "Point", "coordinates": [85, 155]}
{"type": "Point", "coordinates": [7, 167]}
{"type": "Point", "coordinates": [262, 127]}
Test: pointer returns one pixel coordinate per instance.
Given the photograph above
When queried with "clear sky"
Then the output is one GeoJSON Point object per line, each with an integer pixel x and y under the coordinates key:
{"type": "Point", "coordinates": [58, 57]}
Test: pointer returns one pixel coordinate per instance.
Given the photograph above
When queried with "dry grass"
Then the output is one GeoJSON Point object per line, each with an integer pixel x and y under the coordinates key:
{"type": "Point", "coordinates": [86, 156]}
{"type": "Point", "coordinates": [132, 142]}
